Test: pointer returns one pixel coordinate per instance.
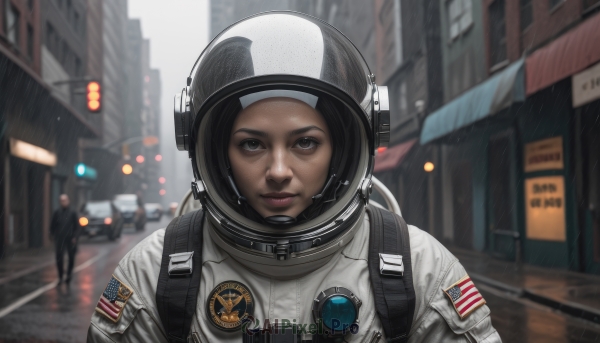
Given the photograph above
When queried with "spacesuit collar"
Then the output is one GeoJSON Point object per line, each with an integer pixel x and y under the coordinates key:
{"type": "Point", "coordinates": [293, 268]}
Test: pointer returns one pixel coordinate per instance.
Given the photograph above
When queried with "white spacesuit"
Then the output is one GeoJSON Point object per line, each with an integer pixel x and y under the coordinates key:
{"type": "Point", "coordinates": [307, 276]}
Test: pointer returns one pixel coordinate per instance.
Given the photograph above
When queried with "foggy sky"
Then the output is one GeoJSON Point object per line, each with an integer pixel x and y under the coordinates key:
{"type": "Point", "coordinates": [178, 32]}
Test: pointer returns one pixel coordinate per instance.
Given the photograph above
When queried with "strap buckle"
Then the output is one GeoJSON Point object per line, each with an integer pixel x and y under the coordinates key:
{"type": "Point", "coordinates": [181, 264]}
{"type": "Point", "coordinates": [282, 251]}
{"type": "Point", "coordinates": [391, 265]}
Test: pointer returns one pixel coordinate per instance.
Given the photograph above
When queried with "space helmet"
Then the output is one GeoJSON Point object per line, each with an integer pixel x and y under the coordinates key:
{"type": "Point", "coordinates": [283, 52]}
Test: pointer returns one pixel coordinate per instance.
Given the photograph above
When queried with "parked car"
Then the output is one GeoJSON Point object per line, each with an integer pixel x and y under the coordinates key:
{"type": "Point", "coordinates": [101, 218]}
{"type": "Point", "coordinates": [132, 209]}
{"type": "Point", "coordinates": [154, 211]}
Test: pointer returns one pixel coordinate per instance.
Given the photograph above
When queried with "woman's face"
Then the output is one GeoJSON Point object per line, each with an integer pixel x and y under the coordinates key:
{"type": "Point", "coordinates": [280, 149]}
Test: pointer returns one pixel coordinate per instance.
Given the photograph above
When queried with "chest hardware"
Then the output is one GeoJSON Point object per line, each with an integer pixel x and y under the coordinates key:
{"type": "Point", "coordinates": [336, 308]}
{"type": "Point", "coordinates": [376, 337]}
{"type": "Point", "coordinates": [391, 265]}
{"type": "Point", "coordinates": [181, 264]}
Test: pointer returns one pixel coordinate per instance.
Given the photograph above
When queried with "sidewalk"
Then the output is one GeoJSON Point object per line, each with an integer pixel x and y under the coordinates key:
{"type": "Point", "coordinates": [22, 262]}
{"type": "Point", "coordinates": [574, 293]}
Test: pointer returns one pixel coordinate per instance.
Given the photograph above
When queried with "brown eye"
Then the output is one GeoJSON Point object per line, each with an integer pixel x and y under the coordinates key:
{"type": "Point", "coordinates": [306, 143]}
{"type": "Point", "coordinates": [250, 145]}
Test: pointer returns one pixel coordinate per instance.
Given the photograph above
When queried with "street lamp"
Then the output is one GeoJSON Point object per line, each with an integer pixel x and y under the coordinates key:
{"type": "Point", "coordinates": [127, 169]}
{"type": "Point", "coordinates": [428, 167]}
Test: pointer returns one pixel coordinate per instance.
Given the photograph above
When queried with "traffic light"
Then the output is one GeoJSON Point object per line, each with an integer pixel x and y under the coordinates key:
{"type": "Point", "coordinates": [127, 169]}
{"type": "Point", "coordinates": [83, 171]}
{"type": "Point", "coordinates": [93, 96]}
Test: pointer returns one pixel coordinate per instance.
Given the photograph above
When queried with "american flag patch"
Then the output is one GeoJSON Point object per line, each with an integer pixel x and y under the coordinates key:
{"type": "Point", "coordinates": [464, 296]}
{"type": "Point", "coordinates": [113, 299]}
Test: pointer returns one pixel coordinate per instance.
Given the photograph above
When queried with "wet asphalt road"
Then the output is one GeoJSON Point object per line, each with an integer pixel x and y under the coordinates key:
{"type": "Point", "coordinates": [61, 314]}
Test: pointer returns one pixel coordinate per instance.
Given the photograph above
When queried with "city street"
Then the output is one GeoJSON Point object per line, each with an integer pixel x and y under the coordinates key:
{"type": "Point", "coordinates": [61, 314]}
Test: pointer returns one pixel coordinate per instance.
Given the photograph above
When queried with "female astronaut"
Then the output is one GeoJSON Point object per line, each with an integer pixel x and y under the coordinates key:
{"type": "Point", "coordinates": [281, 118]}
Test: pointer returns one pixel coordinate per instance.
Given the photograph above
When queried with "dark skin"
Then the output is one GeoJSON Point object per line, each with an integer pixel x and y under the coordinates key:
{"type": "Point", "coordinates": [280, 150]}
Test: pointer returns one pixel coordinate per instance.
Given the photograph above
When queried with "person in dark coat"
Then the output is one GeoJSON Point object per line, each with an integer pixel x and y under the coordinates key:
{"type": "Point", "coordinates": [64, 230]}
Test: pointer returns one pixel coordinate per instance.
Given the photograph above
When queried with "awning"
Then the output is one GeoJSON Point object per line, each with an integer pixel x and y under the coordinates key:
{"type": "Point", "coordinates": [489, 97]}
{"type": "Point", "coordinates": [571, 53]}
{"type": "Point", "coordinates": [390, 158]}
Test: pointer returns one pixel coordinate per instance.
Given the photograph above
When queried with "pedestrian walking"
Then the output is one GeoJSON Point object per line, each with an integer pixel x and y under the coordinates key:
{"type": "Point", "coordinates": [64, 230]}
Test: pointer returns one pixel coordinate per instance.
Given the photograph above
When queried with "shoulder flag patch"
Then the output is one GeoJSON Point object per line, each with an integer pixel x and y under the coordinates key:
{"type": "Point", "coordinates": [113, 299]}
{"type": "Point", "coordinates": [464, 296]}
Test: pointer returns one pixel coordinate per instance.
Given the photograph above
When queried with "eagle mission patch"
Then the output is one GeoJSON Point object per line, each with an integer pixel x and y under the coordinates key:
{"type": "Point", "coordinates": [229, 304]}
{"type": "Point", "coordinates": [113, 299]}
{"type": "Point", "coordinates": [464, 296]}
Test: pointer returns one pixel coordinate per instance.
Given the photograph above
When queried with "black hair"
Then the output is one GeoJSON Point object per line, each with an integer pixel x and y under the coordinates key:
{"type": "Point", "coordinates": [344, 131]}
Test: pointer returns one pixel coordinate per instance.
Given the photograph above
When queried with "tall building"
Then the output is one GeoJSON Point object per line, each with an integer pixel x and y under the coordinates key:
{"type": "Point", "coordinates": [115, 53]}
{"type": "Point", "coordinates": [354, 18]}
{"type": "Point", "coordinates": [226, 12]}
{"type": "Point", "coordinates": [408, 62]}
{"type": "Point", "coordinates": [40, 119]}
{"type": "Point", "coordinates": [105, 154]}
{"type": "Point", "coordinates": [152, 94]}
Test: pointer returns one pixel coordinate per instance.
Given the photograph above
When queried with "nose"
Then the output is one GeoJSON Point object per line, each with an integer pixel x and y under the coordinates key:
{"type": "Point", "coordinates": [279, 169]}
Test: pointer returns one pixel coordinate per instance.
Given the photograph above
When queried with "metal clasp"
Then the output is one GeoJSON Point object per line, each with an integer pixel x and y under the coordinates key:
{"type": "Point", "coordinates": [282, 252]}
{"type": "Point", "coordinates": [181, 263]}
{"type": "Point", "coordinates": [391, 265]}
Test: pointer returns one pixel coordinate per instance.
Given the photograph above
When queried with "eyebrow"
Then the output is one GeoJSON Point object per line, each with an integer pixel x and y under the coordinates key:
{"type": "Point", "coordinates": [305, 129]}
{"type": "Point", "coordinates": [252, 132]}
{"type": "Point", "coordinates": [292, 133]}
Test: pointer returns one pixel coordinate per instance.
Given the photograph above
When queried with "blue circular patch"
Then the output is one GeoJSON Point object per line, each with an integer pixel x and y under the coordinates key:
{"type": "Point", "coordinates": [338, 312]}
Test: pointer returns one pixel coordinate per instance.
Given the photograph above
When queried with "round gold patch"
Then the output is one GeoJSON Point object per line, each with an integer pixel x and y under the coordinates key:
{"type": "Point", "coordinates": [229, 304]}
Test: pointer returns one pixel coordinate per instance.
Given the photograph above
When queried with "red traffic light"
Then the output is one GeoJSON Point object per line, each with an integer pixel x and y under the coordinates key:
{"type": "Point", "coordinates": [93, 96]}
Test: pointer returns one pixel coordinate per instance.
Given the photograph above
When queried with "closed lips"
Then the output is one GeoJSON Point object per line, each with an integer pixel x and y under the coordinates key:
{"type": "Point", "coordinates": [278, 199]}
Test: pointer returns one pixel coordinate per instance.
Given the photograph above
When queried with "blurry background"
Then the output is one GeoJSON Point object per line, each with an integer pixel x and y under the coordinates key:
{"type": "Point", "coordinates": [494, 147]}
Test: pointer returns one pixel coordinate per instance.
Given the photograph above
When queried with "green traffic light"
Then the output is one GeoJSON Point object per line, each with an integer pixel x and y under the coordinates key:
{"type": "Point", "coordinates": [85, 172]}
{"type": "Point", "coordinates": [80, 169]}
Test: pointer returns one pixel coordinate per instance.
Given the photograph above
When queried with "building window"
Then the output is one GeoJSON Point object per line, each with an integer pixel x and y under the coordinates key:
{"type": "Point", "coordinates": [64, 56]}
{"type": "Point", "coordinates": [460, 16]}
{"type": "Point", "coordinates": [526, 14]}
{"type": "Point", "coordinates": [398, 30]}
{"type": "Point", "coordinates": [49, 36]}
{"type": "Point", "coordinates": [30, 41]}
{"type": "Point", "coordinates": [77, 66]}
{"type": "Point", "coordinates": [11, 23]}
{"type": "Point", "coordinates": [76, 21]}
{"type": "Point", "coordinates": [69, 9]}
{"type": "Point", "coordinates": [389, 17]}
{"type": "Point", "coordinates": [554, 3]}
{"type": "Point", "coordinates": [30, 5]}
{"type": "Point", "coordinates": [403, 100]}
{"type": "Point", "coordinates": [497, 32]}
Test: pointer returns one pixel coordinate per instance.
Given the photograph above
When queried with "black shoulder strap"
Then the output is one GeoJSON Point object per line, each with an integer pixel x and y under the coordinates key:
{"type": "Point", "coordinates": [176, 294]}
{"type": "Point", "coordinates": [394, 292]}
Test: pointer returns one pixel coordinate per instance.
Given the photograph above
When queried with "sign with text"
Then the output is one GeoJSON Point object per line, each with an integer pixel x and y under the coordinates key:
{"type": "Point", "coordinates": [545, 208]}
{"type": "Point", "coordinates": [546, 154]}
{"type": "Point", "coordinates": [586, 86]}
